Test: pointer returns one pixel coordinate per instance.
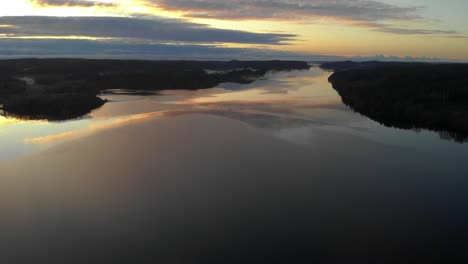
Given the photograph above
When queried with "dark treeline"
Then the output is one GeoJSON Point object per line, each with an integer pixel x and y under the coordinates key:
{"type": "Point", "coordinates": [407, 95]}
{"type": "Point", "coordinates": [58, 89]}
{"type": "Point", "coordinates": [347, 65]}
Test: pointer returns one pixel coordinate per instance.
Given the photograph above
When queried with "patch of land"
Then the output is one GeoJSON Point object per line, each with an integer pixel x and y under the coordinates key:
{"type": "Point", "coordinates": [347, 65]}
{"type": "Point", "coordinates": [407, 95]}
{"type": "Point", "coordinates": [58, 89]}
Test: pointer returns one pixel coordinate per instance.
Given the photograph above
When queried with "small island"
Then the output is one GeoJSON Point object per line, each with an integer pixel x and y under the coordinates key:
{"type": "Point", "coordinates": [407, 95]}
{"type": "Point", "coordinates": [59, 89]}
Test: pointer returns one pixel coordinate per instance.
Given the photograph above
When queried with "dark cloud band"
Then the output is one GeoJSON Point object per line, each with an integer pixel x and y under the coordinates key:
{"type": "Point", "coordinates": [363, 13]}
{"type": "Point", "coordinates": [152, 29]}
{"type": "Point", "coordinates": [367, 10]}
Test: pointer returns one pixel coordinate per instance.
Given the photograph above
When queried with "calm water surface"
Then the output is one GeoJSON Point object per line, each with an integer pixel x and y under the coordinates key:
{"type": "Point", "coordinates": [277, 168]}
{"type": "Point", "coordinates": [297, 107]}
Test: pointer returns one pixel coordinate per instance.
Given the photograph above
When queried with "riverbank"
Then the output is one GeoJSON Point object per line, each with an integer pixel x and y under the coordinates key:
{"type": "Point", "coordinates": [407, 95]}
{"type": "Point", "coordinates": [59, 89]}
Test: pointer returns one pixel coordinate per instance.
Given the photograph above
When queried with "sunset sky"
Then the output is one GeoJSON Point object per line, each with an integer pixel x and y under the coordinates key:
{"type": "Point", "coordinates": [234, 28]}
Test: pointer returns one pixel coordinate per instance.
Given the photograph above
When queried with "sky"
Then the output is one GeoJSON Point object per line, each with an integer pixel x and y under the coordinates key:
{"type": "Point", "coordinates": [235, 29]}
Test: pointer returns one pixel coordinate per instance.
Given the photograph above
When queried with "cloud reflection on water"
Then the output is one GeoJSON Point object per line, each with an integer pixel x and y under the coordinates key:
{"type": "Point", "coordinates": [262, 104]}
{"type": "Point", "coordinates": [282, 105]}
{"type": "Point", "coordinates": [93, 128]}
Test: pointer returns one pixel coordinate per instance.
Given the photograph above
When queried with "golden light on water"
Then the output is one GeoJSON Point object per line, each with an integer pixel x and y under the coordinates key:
{"type": "Point", "coordinates": [93, 128]}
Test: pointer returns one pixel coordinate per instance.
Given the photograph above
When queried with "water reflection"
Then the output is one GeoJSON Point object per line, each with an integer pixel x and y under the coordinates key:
{"type": "Point", "coordinates": [281, 167]}
{"type": "Point", "coordinates": [93, 128]}
{"type": "Point", "coordinates": [280, 104]}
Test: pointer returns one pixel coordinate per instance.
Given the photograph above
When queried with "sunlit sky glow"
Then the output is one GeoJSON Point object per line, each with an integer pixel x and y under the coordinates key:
{"type": "Point", "coordinates": [420, 28]}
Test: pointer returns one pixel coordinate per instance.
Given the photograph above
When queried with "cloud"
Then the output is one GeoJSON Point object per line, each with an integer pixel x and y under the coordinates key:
{"type": "Point", "coordinates": [150, 29]}
{"type": "Point", "coordinates": [459, 37]}
{"type": "Point", "coordinates": [42, 48]}
{"type": "Point", "coordinates": [361, 13]}
{"type": "Point", "coordinates": [361, 10]}
{"type": "Point", "coordinates": [81, 3]}
{"type": "Point", "coordinates": [414, 31]}
{"type": "Point", "coordinates": [72, 48]}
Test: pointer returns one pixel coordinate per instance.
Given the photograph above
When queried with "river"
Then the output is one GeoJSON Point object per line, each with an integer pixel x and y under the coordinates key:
{"type": "Point", "coordinates": [279, 167]}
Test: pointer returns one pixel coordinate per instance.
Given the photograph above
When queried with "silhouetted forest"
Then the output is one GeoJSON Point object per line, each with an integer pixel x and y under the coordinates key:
{"type": "Point", "coordinates": [347, 65]}
{"type": "Point", "coordinates": [58, 89]}
{"type": "Point", "coordinates": [407, 95]}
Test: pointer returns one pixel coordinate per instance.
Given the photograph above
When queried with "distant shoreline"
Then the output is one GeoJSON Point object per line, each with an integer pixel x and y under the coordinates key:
{"type": "Point", "coordinates": [60, 89]}
{"type": "Point", "coordinates": [407, 95]}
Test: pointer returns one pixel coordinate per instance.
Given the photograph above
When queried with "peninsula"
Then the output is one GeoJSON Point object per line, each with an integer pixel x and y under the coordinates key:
{"type": "Point", "coordinates": [59, 89]}
{"type": "Point", "coordinates": [407, 95]}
